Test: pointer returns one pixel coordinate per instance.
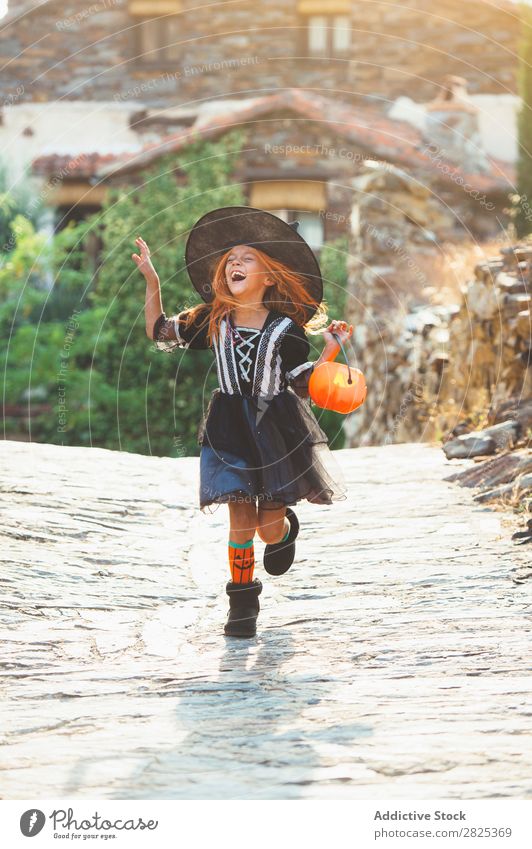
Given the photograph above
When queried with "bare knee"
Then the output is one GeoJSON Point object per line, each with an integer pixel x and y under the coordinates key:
{"type": "Point", "coordinates": [271, 525]}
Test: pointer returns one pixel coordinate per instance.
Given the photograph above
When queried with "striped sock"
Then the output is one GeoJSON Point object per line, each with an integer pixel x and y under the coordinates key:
{"type": "Point", "coordinates": [241, 561]}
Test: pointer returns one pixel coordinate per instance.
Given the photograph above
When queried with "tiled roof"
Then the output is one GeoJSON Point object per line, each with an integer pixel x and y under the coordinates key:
{"type": "Point", "coordinates": [364, 125]}
{"type": "Point", "coordinates": [81, 166]}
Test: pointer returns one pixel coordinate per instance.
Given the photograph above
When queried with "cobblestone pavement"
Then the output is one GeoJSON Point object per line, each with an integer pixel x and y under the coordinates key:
{"type": "Point", "coordinates": [392, 661]}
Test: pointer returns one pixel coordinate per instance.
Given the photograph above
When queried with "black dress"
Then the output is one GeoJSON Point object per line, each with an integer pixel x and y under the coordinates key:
{"type": "Point", "coordinates": [259, 438]}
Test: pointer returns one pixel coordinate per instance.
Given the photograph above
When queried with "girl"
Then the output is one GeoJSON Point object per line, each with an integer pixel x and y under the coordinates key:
{"type": "Point", "coordinates": [262, 449]}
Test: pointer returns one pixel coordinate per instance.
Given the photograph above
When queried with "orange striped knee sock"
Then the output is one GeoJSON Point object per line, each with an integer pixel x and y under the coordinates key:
{"type": "Point", "coordinates": [241, 561]}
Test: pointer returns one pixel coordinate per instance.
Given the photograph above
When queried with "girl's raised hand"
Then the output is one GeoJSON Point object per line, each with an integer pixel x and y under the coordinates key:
{"type": "Point", "coordinates": [143, 262]}
{"type": "Point", "coordinates": [341, 329]}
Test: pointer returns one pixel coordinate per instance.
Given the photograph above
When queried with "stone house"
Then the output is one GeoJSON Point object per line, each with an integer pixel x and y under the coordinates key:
{"type": "Point", "coordinates": [354, 48]}
{"type": "Point", "coordinates": [301, 155]}
{"type": "Point", "coordinates": [92, 93]}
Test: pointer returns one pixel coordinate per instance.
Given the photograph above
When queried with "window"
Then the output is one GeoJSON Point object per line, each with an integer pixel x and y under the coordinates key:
{"type": "Point", "coordinates": [158, 39]}
{"type": "Point", "coordinates": [276, 195]}
{"type": "Point", "coordinates": [317, 35]}
{"type": "Point", "coordinates": [310, 225]}
{"type": "Point", "coordinates": [327, 35]}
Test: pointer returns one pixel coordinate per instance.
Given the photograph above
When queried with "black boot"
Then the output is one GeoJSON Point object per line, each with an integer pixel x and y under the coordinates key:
{"type": "Point", "coordinates": [279, 556]}
{"type": "Point", "coordinates": [243, 608]}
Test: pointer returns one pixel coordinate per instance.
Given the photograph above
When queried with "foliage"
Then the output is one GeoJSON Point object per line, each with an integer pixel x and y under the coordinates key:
{"type": "Point", "coordinates": [82, 345]}
{"type": "Point", "coordinates": [72, 308]}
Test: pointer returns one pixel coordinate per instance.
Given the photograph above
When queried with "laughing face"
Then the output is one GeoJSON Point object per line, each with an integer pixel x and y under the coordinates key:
{"type": "Point", "coordinates": [246, 275]}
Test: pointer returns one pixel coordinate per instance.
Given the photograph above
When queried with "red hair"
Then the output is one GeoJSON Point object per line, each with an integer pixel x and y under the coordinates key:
{"type": "Point", "coordinates": [288, 295]}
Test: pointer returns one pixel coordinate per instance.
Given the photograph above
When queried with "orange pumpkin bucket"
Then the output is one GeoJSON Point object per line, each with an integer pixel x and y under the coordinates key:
{"type": "Point", "coordinates": [336, 387]}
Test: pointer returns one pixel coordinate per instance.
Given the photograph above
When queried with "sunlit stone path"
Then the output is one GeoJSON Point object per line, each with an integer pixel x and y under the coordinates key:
{"type": "Point", "coordinates": [392, 661]}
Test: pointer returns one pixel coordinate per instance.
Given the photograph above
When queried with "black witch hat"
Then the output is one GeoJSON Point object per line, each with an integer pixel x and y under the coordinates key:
{"type": "Point", "coordinates": [221, 229]}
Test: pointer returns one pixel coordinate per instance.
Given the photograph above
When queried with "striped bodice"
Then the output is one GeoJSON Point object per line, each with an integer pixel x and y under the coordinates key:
{"type": "Point", "coordinates": [268, 379]}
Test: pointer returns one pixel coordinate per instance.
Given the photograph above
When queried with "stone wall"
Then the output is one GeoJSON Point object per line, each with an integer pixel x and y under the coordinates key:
{"type": "Point", "coordinates": [395, 228]}
{"type": "Point", "coordinates": [431, 370]}
{"type": "Point", "coordinates": [77, 51]}
{"type": "Point", "coordinates": [490, 335]}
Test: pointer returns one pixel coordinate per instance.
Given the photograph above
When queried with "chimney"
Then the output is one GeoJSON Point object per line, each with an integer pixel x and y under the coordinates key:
{"type": "Point", "coordinates": [452, 127]}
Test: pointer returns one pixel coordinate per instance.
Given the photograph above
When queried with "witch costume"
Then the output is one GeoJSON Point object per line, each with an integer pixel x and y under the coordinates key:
{"type": "Point", "coordinates": [259, 437]}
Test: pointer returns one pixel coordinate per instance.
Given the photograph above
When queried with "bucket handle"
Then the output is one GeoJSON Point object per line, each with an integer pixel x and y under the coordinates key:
{"type": "Point", "coordinates": [349, 379]}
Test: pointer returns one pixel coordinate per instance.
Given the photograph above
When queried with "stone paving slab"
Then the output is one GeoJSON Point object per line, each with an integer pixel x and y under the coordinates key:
{"type": "Point", "coordinates": [392, 661]}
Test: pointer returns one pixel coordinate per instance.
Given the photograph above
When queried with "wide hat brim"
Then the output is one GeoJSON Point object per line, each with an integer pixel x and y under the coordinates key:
{"type": "Point", "coordinates": [221, 229]}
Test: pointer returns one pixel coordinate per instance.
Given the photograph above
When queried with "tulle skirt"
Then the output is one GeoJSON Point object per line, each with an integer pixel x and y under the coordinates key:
{"type": "Point", "coordinates": [267, 449]}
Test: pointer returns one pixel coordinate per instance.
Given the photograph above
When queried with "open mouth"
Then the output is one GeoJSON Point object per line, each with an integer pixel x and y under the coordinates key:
{"type": "Point", "coordinates": [237, 275]}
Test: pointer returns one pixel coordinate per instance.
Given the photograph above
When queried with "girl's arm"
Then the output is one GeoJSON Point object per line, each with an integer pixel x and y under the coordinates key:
{"type": "Point", "coordinates": [169, 334]}
{"type": "Point", "coordinates": [331, 347]}
{"type": "Point", "coordinates": [329, 353]}
{"type": "Point", "coordinates": [153, 306]}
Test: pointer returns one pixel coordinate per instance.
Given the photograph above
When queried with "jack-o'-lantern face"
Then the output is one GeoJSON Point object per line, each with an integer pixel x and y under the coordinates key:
{"type": "Point", "coordinates": [329, 387]}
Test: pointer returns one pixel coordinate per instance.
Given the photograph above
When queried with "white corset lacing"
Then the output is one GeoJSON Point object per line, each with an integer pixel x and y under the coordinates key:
{"type": "Point", "coordinates": [243, 349]}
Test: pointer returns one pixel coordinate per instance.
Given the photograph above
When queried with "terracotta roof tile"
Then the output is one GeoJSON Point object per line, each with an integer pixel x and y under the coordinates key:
{"type": "Point", "coordinates": [364, 125]}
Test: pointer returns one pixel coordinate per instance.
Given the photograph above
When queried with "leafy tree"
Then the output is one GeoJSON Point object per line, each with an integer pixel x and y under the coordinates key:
{"type": "Point", "coordinates": [80, 346]}
{"type": "Point", "coordinates": [105, 382]}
